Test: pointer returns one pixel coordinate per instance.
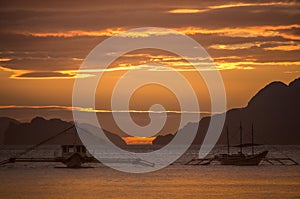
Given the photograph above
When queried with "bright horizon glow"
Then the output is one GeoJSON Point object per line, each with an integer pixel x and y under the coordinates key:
{"type": "Point", "coordinates": [138, 140]}
{"type": "Point", "coordinates": [185, 11]}
{"type": "Point", "coordinates": [91, 110]}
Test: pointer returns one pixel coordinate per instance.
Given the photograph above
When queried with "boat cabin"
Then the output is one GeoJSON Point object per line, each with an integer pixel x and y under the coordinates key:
{"type": "Point", "coordinates": [67, 150]}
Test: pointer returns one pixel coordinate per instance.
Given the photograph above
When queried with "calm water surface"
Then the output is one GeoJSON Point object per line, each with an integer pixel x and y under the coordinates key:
{"type": "Point", "coordinates": [43, 180]}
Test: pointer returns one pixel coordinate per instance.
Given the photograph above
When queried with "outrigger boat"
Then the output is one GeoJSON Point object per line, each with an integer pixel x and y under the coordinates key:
{"type": "Point", "coordinates": [240, 158]}
{"type": "Point", "coordinates": [73, 156]}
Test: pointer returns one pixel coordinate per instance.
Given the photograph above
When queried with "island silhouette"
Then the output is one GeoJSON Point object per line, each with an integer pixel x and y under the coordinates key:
{"type": "Point", "coordinates": [15, 133]}
{"type": "Point", "coordinates": [274, 112]}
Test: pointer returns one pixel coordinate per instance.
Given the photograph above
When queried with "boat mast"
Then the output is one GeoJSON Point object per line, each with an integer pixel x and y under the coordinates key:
{"type": "Point", "coordinates": [228, 146]}
{"type": "Point", "coordinates": [252, 145]}
{"type": "Point", "coordinates": [241, 139]}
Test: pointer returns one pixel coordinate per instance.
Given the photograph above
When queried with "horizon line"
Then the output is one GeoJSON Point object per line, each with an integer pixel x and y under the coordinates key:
{"type": "Point", "coordinates": [70, 108]}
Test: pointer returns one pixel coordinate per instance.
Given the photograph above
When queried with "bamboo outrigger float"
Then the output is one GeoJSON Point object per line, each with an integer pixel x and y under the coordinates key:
{"type": "Point", "coordinates": [74, 156]}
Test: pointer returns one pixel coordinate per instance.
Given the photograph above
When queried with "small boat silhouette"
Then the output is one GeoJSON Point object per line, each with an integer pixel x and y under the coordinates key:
{"type": "Point", "coordinates": [240, 158]}
{"type": "Point", "coordinates": [73, 156]}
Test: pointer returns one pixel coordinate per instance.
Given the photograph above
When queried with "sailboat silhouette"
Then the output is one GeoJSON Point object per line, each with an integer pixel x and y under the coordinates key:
{"type": "Point", "coordinates": [241, 158]}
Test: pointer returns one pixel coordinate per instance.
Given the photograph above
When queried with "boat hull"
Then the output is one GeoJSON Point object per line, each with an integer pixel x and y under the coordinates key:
{"type": "Point", "coordinates": [242, 160]}
{"type": "Point", "coordinates": [74, 161]}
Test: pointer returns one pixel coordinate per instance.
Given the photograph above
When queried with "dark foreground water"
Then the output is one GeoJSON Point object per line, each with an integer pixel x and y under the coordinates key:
{"type": "Point", "coordinates": [44, 180]}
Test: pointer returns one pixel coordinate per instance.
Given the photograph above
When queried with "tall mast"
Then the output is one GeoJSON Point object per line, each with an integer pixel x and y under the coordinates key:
{"type": "Point", "coordinates": [241, 138]}
{"type": "Point", "coordinates": [228, 146]}
{"type": "Point", "coordinates": [252, 140]}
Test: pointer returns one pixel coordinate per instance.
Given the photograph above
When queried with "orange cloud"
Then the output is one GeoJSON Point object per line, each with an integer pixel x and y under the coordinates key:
{"type": "Point", "coordinates": [250, 31]}
{"type": "Point", "coordinates": [252, 64]}
{"type": "Point", "coordinates": [284, 48]}
{"type": "Point", "coordinates": [176, 63]}
{"type": "Point", "coordinates": [5, 59]}
{"type": "Point", "coordinates": [252, 4]}
{"type": "Point", "coordinates": [77, 33]}
{"type": "Point", "coordinates": [77, 59]}
{"type": "Point", "coordinates": [224, 6]}
{"type": "Point", "coordinates": [235, 46]}
{"type": "Point", "coordinates": [30, 74]}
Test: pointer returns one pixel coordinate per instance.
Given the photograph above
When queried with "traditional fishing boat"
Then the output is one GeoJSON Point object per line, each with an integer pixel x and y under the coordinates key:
{"type": "Point", "coordinates": [73, 156]}
{"type": "Point", "coordinates": [240, 158]}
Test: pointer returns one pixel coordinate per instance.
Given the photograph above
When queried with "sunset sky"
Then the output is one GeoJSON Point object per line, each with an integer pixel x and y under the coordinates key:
{"type": "Point", "coordinates": [43, 44]}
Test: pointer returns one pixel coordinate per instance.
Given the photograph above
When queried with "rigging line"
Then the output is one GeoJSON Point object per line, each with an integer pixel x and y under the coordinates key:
{"type": "Point", "coordinates": [234, 133]}
{"type": "Point", "coordinates": [272, 146]}
{"type": "Point", "coordinates": [133, 155]}
{"type": "Point", "coordinates": [37, 145]}
{"type": "Point", "coordinates": [130, 153]}
{"type": "Point", "coordinates": [44, 141]}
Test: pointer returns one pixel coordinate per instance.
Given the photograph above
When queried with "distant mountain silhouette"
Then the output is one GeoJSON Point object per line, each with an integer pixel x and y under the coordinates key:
{"type": "Point", "coordinates": [162, 139]}
{"type": "Point", "coordinates": [4, 123]}
{"type": "Point", "coordinates": [16, 133]}
{"type": "Point", "coordinates": [274, 111]}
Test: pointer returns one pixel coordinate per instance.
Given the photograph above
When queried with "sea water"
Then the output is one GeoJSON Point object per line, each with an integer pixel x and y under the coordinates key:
{"type": "Point", "coordinates": [52, 180]}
